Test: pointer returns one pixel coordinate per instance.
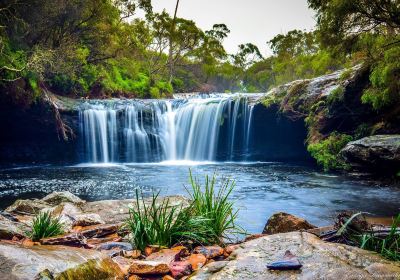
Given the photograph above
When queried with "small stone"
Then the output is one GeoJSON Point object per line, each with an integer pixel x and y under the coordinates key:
{"type": "Point", "coordinates": [289, 262]}
{"type": "Point", "coordinates": [115, 245]}
{"type": "Point", "coordinates": [168, 277]}
{"type": "Point", "coordinates": [148, 268]}
{"type": "Point", "coordinates": [152, 249]}
{"type": "Point", "coordinates": [134, 277]}
{"type": "Point", "coordinates": [229, 249]}
{"type": "Point", "coordinates": [283, 222]}
{"type": "Point", "coordinates": [180, 268]}
{"type": "Point", "coordinates": [209, 252]}
{"type": "Point", "coordinates": [197, 261]}
{"type": "Point", "coordinates": [134, 254]}
{"type": "Point", "coordinates": [27, 242]}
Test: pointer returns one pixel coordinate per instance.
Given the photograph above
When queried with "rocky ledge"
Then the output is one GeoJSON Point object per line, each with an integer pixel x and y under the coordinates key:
{"type": "Point", "coordinates": [97, 246]}
{"type": "Point", "coordinates": [378, 152]}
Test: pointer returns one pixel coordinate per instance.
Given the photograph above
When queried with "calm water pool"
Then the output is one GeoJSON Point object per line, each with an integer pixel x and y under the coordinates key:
{"type": "Point", "coordinates": [261, 188]}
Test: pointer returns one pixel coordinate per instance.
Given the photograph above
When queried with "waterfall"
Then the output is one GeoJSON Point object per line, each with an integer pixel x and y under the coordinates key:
{"type": "Point", "coordinates": [211, 128]}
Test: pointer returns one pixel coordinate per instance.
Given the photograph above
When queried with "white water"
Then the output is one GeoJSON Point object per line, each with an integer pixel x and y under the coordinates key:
{"type": "Point", "coordinates": [195, 129]}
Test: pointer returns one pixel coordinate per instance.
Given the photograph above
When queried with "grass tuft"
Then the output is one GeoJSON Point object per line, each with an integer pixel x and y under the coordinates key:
{"type": "Point", "coordinates": [44, 225]}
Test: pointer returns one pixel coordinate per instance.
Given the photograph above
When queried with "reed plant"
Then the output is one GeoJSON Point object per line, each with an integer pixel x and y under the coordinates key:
{"type": "Point", "coordinates": [44, 225]}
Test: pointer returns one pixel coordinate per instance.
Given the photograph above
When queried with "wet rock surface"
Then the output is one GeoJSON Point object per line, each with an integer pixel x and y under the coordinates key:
{"type": "Point", "coordinates": [321, 260]}
{"type": "Point", "coordinates": [284, 222]}
{"type": "Point", "coordinates": [381, 152]}
{"type": "Point", "coordinates": [17, 262]}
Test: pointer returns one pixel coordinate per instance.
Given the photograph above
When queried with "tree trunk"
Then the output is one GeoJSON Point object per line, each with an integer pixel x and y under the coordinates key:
{"type": "Point", "coordinates": [170, 58]}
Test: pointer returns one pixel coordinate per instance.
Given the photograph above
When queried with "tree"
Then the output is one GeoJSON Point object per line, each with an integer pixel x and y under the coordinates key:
{"type": "Point", "coordinates": [246, 55]}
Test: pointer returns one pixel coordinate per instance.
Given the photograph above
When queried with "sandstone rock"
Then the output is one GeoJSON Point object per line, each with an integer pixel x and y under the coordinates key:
{"type": "Point", "coordinates": [134, 277]}
{"type": "Point", "coordinates": [229, 249]}
{"type": "Point", "coordinates": [148, 268]}
{"type": "Point", "coordinates": [180, 268]}
{"type": "Point", "coordinates": [19, 263]}
{"type": "Point", "coordinates": [84, 220]}
{"type": "Point", "coordinates": [115, 245]}
{"type": "Point", "coordinates": [152, 249]}
{"type": "Point", "coordinates": [321, 260]}
{"type": "Point", "coordinates": [96, 241]}
{"type": "Point", "coordinates": [283, 222]}
{"type": "Point", "coordinates": [27, 206]}
{"type": "Point", "coordinates": [197, 261]}
{"type": "Point", "coordinates": [134, 254]}
{"type": "Point", "coordinates": [56, 198]}
{"type": "Point", "coordinates": [167, 255]}
{"type": "Point", "coordinates": [123, 263]}
{"type": "Point", "coordinates": [209, 252]}
{"type": "Point", "coordinates": [10, 229]}
{"type": "Point", "coordinates": [379, 153]}
{"type": "Point", "coordinates": [253, 236]}
{"type": "Point", "coordinates": [72, 239]}
{"type": "Point", "coordinates": [168, 277]}
{"type": "Point", "coordinates": [97, 231]}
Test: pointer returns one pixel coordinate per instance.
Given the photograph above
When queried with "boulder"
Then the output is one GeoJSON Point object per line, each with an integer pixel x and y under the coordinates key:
{"type": "Point", "coordinates": [283, 222]}
{"type": "Point", "coordinates": [197, 261]}
{"type": "Point", "coordinates": [209, 252]}
{"type": "Point", "coordinates": [56, 198]}
{"type": "Point", "coordinates": [379, 153]}
{"type": "Point", "coordinates": [320, 260]}
{"type": "Point", "coordinates": [27, 207]}
{"type": "Point", "coordinates": [57, 262]}
{"type": "Point", "coordinates": [148, 268]}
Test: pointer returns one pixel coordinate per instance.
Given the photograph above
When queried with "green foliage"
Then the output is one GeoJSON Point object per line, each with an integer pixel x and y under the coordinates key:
{"type": "Point", "coordinates": [213, 204]}
{"type": "Point", "coordinates": [44, 225]}
{"type": "Point", "coordinates": [207, 220]}
{"type": "Point", "coordinates": [162, 224]}
{"type": "Point", "coordinates": [385, 81]}
{"type": "Point", "coordinates": [326, 151]}
{"type": "Point", "coordinates": [336, 95]}
{"type": "Point", "coordinates": [388, 246]}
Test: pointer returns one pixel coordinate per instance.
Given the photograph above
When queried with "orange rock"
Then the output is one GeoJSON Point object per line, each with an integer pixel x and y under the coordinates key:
{"type": "Point", "coordinates": [167, 255]}
{"type": "Point", "coordinates": [209, 252]}
{"type": "Point", "coordinates": [152, 249]}
{"type": "Point", "coordinates": [134, 277]}
{"type": "Point", "coordinates": [27, 242]}
{"type": "Point", "coordinates": [15, 238]}
{"type": "Point", "coordinates": [134, 254]}
{"type": "Point", "coordinates": [148, 268]}
{"type": "Point", "coordinates": [168, 277]}
{"type": "Point", "coordinates": [197, 261]}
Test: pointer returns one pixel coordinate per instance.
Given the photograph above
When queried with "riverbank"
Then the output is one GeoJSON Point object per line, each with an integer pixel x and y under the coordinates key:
{"type": "Point", "coordinates": [97, 246]}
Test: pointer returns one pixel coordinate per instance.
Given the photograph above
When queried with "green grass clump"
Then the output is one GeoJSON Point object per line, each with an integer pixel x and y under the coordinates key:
{"type": "Point", "coordinates": [44, 225]}
{"type": "Point", "coordinates": [209, 218]}
{"type": "Point", "coordinates": [214, 205]}
{"type": "Point", "coordinates": [388, 246]}
{"type": "Point", "coordinates": [163, 224]}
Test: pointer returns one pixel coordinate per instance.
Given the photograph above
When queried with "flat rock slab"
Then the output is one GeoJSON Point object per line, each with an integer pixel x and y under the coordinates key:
{"type": "Point", "coordinates": [17, 262]}
{"type": "Point", "coordinates": [321, 260]}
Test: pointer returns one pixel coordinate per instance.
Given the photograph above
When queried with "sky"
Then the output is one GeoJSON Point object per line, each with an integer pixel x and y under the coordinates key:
{"type": "Point", "coordinates": [250, 21]}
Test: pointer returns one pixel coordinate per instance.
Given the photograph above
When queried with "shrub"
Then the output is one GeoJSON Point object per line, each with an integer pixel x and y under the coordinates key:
{"type": "Point", "coordinates": [213, 204]}
{"type": "Point", "coordinates": [326, 152]}
{"type": "Point", "coordinates": [44, 225]}
{"type": "Point", "coordinates": [164, 225]}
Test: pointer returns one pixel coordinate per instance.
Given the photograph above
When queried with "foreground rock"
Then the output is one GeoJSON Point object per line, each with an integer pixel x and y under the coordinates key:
{"type": "Point", "coordinates": [320, 260]}
{"type": "Point", "coordinates": [381, 152]}
{"type": "Point", "coordinates": [59, 262]}
{"type": "Point", "coordinates": [9, 228]}
{"type": "Point", "coordinates": [283, 222]}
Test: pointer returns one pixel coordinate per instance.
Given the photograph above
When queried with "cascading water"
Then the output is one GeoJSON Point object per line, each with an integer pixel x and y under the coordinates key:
{"type": "Point", "coordinates": [215, 128]}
